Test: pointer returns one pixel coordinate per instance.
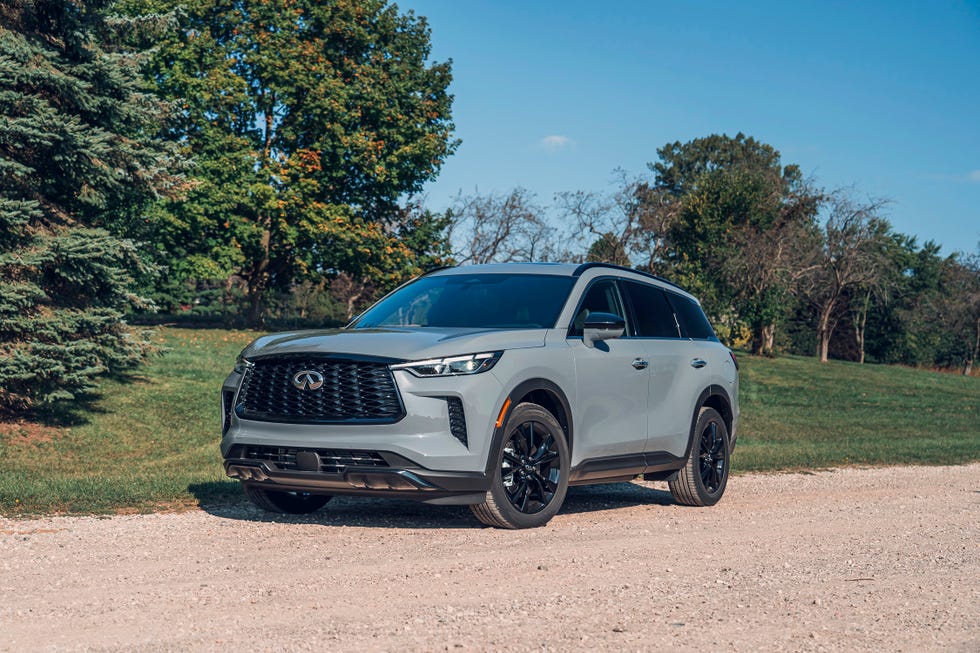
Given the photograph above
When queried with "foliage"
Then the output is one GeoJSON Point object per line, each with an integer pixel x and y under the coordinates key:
{"type": "Point", "coordinates": [737, 226]}
{"type": "Point", "coordinates": [78, 158]}
{"type": "Point", "coordinates": [308, 121]}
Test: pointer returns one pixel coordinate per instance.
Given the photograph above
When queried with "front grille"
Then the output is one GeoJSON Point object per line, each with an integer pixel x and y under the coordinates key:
{"type": "Point", "coordinates": [332, 461]}
{"type": "Point", "coordinates": [352, 391]}
{"type": "Point", "coordinates": [457, 419]}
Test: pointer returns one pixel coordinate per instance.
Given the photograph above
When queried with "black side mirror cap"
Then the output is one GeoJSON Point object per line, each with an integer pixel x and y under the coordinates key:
{"type": "Point", "coordinates": [602, 326]}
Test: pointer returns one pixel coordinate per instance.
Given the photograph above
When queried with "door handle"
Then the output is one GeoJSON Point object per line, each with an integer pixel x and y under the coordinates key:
{"type": "Point", "coordinates": [640, 364]}
{"type": "Point", "coordinates": [698, 363]}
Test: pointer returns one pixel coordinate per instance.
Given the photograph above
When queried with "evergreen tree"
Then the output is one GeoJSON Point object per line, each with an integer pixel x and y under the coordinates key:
{"type": "Point", "coordinates": [78, 163]}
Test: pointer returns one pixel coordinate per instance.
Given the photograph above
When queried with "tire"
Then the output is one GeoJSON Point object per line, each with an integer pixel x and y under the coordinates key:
{"type": "Point", "coordinates": [289, 503]}
{"type": "Point", "coordinates": [530, 471]}
{"type": "Point", "coordinates": [703, 479]}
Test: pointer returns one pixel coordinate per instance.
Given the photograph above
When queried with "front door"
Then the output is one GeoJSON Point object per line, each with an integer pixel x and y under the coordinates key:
{"type": "Point", "coordinates": [612, 384]}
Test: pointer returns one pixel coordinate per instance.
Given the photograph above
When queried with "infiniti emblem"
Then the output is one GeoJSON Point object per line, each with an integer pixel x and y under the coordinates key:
{"type": "Point", "coordinates": [308, 380]}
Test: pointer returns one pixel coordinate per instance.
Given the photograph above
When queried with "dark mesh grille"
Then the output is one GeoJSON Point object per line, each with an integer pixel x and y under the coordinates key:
{"type": "Point", "coordinates": [457, 419]}
{"type": "Point", "coordinates": [332, 461]}
{"type": "Point", "coordinates": [353, 390]}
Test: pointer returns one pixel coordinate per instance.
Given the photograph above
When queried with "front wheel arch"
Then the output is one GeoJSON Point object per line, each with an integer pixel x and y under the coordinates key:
{"type": "Point", "coordinates": [544, 393]}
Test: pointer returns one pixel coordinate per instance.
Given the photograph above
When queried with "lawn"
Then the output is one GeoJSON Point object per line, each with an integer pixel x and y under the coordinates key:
{"type": "Point", "coordinates": [152, 441]}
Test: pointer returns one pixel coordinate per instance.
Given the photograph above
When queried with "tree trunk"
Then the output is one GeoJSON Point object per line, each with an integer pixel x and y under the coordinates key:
{"type": "Point", "coordinates": [770, 336]}
{"type": "Point", "coordinates": [968, 367]}
{"type": "Point", "coordinates": [824, 330]}
{"type": "Point", "coordinates": [861, 323]}
{"type": "Point", "coordinates": [758, 340]}
{"type": "Point", "coordinates": [258, 281]}
{"type": "Point", "coordinates": [351, 303]}
{"type": "Point", "coordinates": [762, 339]}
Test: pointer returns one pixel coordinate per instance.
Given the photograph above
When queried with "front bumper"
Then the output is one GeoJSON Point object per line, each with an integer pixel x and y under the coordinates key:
{"type": "Point", "coordinates": [398, 478]}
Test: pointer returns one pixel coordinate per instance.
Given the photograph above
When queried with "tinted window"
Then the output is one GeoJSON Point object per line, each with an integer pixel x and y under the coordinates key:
{"type": "Point", "coordinates": [519, 301]}
{"type": "Point", "coordinates": [654, 316]}
{"type": "Point", "coordinates": [601, 297]}
{"type": "Point", "coordinates": [693, 322]}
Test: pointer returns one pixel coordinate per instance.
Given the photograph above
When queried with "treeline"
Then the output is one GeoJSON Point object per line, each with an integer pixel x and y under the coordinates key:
{"type": "Point", "coordinates": [779, 263]}
{"type": "Point", "coordinates": [259, 162]}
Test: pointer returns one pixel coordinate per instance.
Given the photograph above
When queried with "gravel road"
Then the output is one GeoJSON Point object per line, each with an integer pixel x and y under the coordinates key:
{"type": "Point", "coordinates": [853, 559]}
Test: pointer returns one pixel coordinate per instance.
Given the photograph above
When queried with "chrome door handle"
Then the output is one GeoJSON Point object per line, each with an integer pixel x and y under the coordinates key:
{"type": "Point", "coordinates": [698, 363]}
{"type": "Point", "coordinates": [640, 364]}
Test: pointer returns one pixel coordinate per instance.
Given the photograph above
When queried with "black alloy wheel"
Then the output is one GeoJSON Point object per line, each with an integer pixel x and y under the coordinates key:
{"type": "Point", "coordinates": [530, 475]}
{"type": "Point", "coordinates": [530, 469]}
{"type": "Point", "coordinates": [713, 456]}
{"type": "Point", "coordinates": [702, 480]}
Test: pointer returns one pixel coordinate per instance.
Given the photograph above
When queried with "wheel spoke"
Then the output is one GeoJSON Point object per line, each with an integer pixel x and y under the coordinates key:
{"type": "Point", "coordinates": [511, 458]}
{"type": "Point", "coordinates": [520, 440]}
{"type": "Point", "coordinates": [549, 486]}
{"type": "Point", "coordinates": [546, 458]}
{"type": "Point", "coordinates": [525, 494]}
{"type": "Point", "coordinates": [545, 491]}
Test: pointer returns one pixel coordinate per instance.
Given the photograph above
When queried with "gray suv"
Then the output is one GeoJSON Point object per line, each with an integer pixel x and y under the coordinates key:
{"type": "Point", "coordinates": [493, 386]}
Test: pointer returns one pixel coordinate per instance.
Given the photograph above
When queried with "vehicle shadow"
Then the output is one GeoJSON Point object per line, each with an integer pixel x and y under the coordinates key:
{"type": "Point", "coordinates": [224, 500]}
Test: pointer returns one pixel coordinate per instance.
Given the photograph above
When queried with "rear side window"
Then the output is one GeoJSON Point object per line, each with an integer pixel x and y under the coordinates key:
{"type": "Point", "coordinates": [693, 323]}
{"type": "Point", "coordinates": [654, 315]}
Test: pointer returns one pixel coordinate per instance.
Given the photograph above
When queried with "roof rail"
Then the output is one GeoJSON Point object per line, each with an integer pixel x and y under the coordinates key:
{"type": "Point", "coordinates": [436, 268]}
{"type": "Point", "coordinates": [588, 266]}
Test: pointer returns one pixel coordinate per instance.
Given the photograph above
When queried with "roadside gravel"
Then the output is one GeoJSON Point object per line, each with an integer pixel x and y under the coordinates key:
{"type": "Point", "coordinates": [852, 559]}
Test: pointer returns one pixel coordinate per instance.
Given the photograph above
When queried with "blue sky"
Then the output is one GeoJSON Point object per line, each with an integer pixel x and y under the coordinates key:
{"type": "Point", "coordinates": [554, 95]}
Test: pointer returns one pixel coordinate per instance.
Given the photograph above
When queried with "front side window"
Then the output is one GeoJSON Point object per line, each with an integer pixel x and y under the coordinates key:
{"type": "Point", "coordinates": [492, 301]}
{"type": "Point", "coordinates": [601, 297]}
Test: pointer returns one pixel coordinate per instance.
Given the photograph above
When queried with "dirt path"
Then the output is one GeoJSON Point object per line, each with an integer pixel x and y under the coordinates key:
{"type": "Point", "coordinates": [879, 559]}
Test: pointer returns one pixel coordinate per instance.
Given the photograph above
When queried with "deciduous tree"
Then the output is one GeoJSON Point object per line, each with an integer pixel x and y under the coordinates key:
{"type": "Point", "coordinates": [852, 256]}
{"type": "Point", "coordinates": [735, 223]}
{"type": "Point", "coordinates": [309, 120]}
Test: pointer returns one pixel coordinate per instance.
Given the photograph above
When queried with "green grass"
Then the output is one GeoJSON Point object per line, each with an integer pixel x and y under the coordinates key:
{"type": "Point", "coordinates": [152, 442]}
{"type": "Point", "coordinates": [800, 414]}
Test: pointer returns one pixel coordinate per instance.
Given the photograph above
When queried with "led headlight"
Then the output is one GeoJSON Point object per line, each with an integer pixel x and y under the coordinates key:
{"type": "Point", "coordinates": [451, 366]}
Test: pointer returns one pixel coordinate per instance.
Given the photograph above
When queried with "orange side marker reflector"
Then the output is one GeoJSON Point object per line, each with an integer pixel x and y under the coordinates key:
{"type": "Point", "coordinates": [503, 412]}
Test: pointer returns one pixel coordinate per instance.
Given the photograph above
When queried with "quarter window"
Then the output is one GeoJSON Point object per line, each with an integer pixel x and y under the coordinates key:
{"type": "Point", "coordinates": [693, 323]}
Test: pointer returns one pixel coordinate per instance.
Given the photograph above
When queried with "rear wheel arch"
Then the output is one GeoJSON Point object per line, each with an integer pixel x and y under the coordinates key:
{"type": "Point", "coordinates": [714, 396]}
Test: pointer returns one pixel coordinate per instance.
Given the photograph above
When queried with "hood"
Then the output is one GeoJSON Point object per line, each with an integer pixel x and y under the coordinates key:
{"type": "Point", "coordinates": [402, 344]}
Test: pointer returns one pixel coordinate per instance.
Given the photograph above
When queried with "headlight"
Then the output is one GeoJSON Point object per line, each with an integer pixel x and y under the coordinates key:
{"type": "Point", "coordinates": [451, 366]}
{"type": "Point", "coordinates": [241, 364]}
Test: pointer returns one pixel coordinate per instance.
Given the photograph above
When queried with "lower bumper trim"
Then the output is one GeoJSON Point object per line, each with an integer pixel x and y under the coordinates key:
{"type": "Point", "coordinates": [419, 484]}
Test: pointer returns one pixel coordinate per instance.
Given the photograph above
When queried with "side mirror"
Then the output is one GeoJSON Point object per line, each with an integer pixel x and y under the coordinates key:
{"type": "Point", "coordinates": [602, 326]}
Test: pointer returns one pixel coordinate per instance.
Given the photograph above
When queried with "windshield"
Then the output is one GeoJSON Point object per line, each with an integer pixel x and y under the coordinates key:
{"type": "Point", "coordinates": [500, 301]}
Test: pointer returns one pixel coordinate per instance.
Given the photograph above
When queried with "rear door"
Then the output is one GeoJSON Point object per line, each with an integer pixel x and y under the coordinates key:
{"type": "Point", "coordinates": [675, 384]}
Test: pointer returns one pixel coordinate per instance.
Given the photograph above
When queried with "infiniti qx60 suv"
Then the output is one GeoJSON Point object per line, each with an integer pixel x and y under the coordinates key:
{"type": "Point", "coordinates": [493, 386]}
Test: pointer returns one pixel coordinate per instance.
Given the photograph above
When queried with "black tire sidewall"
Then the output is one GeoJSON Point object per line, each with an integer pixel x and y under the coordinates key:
{"type": "Point", "coordinates": [707, 416]}
{"type": "Point", "coordinates": [521, 413]}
